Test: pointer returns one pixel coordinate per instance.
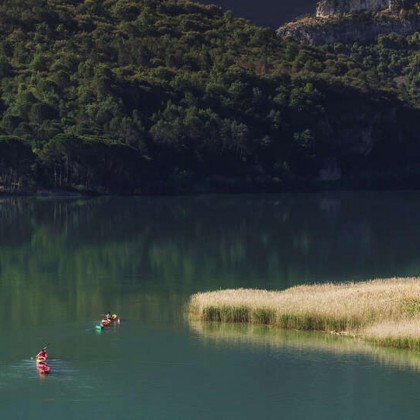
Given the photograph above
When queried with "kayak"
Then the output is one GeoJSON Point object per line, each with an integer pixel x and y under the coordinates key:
{"type": "Point", "coordinates": [115, 318]}
{"type": "Point", "coordinates": [107, 322]}
{"type": "Point", "coordinates": [42, 367]}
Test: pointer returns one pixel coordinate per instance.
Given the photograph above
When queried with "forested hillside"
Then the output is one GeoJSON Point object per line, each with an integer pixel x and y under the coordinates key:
{"type": "Point", "coordinates": [164, 96]}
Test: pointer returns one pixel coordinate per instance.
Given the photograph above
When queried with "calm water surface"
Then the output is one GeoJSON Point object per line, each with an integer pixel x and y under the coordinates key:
{"type": "Point", "coordinates": [65, 261]}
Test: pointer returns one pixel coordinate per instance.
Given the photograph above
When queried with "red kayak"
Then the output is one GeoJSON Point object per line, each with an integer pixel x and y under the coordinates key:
{"type": "Point", "coordinates": [107, 322]}
{"type": "Point", "coordinates": [41, 365]}
{"type": "Point", "coordinates": [43, 368]}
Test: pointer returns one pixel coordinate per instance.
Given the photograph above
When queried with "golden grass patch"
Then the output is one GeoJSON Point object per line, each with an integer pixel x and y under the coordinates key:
{"type": "Point", "coordinates": [359, 309]}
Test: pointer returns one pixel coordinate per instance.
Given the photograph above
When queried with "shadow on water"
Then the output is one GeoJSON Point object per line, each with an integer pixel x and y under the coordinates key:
{"type": "Point", "coordinates": [298, 341]}
{"type": "Point", "coordinates": [90, 253]}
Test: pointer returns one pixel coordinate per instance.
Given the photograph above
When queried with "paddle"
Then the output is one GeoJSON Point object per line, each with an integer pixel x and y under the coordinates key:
{"type": "Point", "coordinates": [43, 348]}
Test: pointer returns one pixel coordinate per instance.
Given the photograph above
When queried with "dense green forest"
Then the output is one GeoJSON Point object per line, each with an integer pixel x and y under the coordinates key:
{"type": "Point", "coordinates": [166, 96]}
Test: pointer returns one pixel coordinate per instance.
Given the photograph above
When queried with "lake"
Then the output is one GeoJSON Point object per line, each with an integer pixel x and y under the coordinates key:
{"type": "Point", "coordinates": [63, 262]}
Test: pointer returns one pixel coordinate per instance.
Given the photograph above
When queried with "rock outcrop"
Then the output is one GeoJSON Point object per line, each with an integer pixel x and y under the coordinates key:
{"type": "Point", "coordinates": [316, 31]}
{"type": "Point", "coordinates": [349, 21]}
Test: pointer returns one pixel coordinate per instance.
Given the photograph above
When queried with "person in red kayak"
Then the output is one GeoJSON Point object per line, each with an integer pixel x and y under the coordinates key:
{"type": "Point", "coordinates": [42, 355]}
{"type": "Point", "coordinates": [107, 320]}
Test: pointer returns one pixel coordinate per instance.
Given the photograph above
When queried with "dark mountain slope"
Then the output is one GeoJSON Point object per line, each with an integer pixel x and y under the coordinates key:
{"type": "Point", "coordinates": [158, 96]}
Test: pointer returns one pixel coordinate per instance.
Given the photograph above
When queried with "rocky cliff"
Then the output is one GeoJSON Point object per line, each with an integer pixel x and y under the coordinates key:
{"type": "Point", "coordinates": [361, 28]}
{"type": "Point", "coordinates": [351, 20]}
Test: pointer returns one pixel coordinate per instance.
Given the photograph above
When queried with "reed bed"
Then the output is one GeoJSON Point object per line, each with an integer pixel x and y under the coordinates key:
{"type": "Point", "coordinates": [405, 334]}
{"type": "Point", "coordinates": [358, 309]}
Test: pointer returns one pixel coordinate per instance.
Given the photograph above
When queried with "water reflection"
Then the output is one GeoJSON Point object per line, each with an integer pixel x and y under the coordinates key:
{"type": "Point", "coordinates": [238, 334]}
{"type": "Point", "coordinates": [78, 252]}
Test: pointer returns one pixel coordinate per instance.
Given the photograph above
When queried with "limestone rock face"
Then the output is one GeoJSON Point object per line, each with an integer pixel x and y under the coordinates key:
{"type": "Point", "coordinates": [340, 21]}
{"type": "Point", "coordinates": [317, 31]}
{"type": "Point", "coordinates": [328, 8]}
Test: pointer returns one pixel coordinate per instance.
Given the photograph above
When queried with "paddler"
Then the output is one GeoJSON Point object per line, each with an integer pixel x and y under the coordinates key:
{"type": "Point", "coordinates": [42, 356]}
{"type": "Point", "coordinates": [107, 320]}
{"type": "Point", "coordinates": [42, 353]}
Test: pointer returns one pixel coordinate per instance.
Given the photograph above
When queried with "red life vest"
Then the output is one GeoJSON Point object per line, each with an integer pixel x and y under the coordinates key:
{"type": "Point", "coordinates": [42, 353]}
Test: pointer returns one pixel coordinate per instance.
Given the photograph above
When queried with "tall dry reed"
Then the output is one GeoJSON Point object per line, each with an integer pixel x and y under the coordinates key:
{"type": "Point", "coordinates": [349, 308]}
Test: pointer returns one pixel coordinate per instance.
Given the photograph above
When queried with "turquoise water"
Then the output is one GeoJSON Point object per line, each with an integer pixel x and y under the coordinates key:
{"type": "Point", "coordinates": [63, 262]}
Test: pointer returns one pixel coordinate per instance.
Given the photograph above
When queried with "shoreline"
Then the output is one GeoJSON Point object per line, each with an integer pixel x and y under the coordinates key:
{"type": "Point", "coordinates": [385, 312]}
{"type": "Point", "coordinates": [325, 189]}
